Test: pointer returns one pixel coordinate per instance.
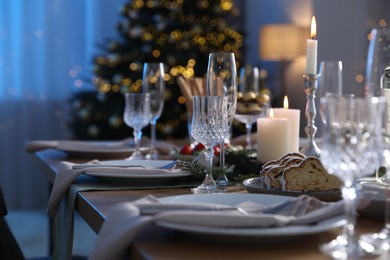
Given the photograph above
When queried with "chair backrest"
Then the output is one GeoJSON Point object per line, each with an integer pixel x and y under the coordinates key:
{"type": "Point", "coordinates": [9, 248]}
{"type": "Point", "coordinates": [3, 206]}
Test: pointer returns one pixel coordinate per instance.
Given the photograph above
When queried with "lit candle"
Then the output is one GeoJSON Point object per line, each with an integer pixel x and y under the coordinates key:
{"type": "Point", "coordinates": [311, 50]}
{"type": "Point", "coordinates": [273, 137]}
{"type": "Point", "coordinates": [294, 116]}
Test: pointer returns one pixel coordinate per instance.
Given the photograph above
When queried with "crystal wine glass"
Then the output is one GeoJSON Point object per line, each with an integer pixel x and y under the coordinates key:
{"type": "Point", "coordinates": [221, 80]}
{"type": "Point", "coordinates": [137, 115]}
{"type": "Point", "coordinates": [350, 150]}
{"type": "Point", "coordinates": [330, 81]}
{"type": "Point", "coordinates": [154, 84]}
{"type": "Point", "coordinates": [249, 101]}
{"type": "Point", "coordinates": [209, 126]}
{"type": "Point", "coordinates": [378, 84]}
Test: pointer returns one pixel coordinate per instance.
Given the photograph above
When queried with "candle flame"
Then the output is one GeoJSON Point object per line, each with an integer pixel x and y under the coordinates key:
{"type": "Point", "coordinates": [271, 113]}
{"type": "Point", "coordinates": [313, 29]}
{"type": "Point", "coordinates": [285, 102]}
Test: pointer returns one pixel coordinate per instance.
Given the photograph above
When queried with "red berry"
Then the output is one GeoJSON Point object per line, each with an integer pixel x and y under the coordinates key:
{"type": "Point", "coordinates": [217, 150]}
{"type": "Point", "coordinates": [199, 147]}
{"type": "Point", "coordinates": [186, 150]}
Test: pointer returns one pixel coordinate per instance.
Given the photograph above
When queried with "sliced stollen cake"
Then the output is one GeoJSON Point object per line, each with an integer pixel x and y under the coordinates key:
{"type": "Point", "coordinates": [309, 175]}
{"type": "Point", "coordinates": [272, 171]}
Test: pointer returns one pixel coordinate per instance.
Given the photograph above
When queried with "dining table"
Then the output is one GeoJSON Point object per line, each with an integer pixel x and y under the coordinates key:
{"type": "Point", "coordinates": [156, 242]}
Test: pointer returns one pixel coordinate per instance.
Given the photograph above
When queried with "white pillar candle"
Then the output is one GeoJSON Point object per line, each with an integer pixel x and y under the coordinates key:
{"type": "Point", "coordinates": [273, 138]}
{"type": "Point", "coordinates": [311, 50]}
{"type": "Point", "coordinates": [294, 116]}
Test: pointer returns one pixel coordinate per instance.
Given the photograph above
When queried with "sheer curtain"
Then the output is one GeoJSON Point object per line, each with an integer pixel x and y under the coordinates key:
{"type": "Point", "coordinates": [46, 48]}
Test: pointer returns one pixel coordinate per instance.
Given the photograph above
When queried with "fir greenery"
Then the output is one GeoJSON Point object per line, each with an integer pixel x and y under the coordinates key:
{"type": "Point", "coordinates": [240, 165]}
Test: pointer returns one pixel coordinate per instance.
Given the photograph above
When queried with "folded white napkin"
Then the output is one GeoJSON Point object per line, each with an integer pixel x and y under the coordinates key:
{"type": "Point", "coordinates": [126, 220]}
{"type": "Point", "coordinates": [67, 174]}
{"type": "Point", "coordinates": [162, 147]}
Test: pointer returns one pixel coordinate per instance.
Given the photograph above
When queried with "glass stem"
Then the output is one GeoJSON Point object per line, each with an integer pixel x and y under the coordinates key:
{"type": "Point", "coordinates": [350, 197]}
{"type": "Point", "coordinates": [209, 153]}
{"type": "Point", "coordinates": [137, 140]}
{"type": "Point", "coordinates": [222, 154]}
{"type": "Point", "coordinates": [248, 136]}
{"type": "Point", "coordinates": [153, 137]}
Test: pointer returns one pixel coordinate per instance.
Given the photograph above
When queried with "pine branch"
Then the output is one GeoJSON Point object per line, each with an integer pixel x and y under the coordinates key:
{"type": "Point", "coordinates": [240, 165]}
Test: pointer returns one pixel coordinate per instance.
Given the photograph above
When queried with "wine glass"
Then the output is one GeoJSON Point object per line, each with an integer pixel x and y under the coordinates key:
{"type": "Point", "coordinates": [330, 81]}
{"type": "Point", "coordinates": [137, 115]}
{"type": "Point", "coordinates": [154, 84]}
{"type": "Point", "coordinates": [378, 84]}
{"type": "Point", "coordinates": [209, 126]}
{"type": "Point", "coordinates": [221, 80]}
{"type": "Point", "coordinates": [350, 150]}
{"type": "Point", "coordinates": [249, 105]}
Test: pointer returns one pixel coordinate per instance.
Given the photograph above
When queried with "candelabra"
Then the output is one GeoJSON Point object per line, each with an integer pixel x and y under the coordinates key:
{"type": "Point", "coordinates": [311, 148]}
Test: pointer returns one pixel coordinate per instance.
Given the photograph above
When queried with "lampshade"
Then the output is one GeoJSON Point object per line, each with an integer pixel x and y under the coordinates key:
{"type": "Point", "coordinates": [282, 41]}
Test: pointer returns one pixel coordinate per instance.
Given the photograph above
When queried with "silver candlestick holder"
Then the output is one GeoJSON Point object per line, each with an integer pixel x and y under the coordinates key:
{"type": "Point", "coordinates": [311, 148]}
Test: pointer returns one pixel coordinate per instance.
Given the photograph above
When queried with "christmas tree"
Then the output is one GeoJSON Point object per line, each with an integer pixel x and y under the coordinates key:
{"type": "Point", "coordinates": [179, 33]}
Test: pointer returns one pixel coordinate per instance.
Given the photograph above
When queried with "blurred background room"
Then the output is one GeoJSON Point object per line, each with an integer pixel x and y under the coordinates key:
{"type": "Point", "coordinates": [55, 56]}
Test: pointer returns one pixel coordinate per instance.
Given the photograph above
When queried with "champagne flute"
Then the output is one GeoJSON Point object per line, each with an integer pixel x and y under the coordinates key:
{"type": "Point", "coordinates": [330, 81]}
{"type": "Point", "coordinates": [221, 80]}
{"type": "Point", "coordinates": [351, 149]}
{"type": "Point", "coordinates": [137, 115]}
{"type": "Point", "coordinates": [248, 107]}
{"type": "Point", "coordinates": [154, 84]}
{"type": "Point", "coordinates": [209, 126]}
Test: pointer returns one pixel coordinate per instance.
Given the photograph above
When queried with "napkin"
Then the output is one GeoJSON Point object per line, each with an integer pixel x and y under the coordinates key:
{"type": "Point", "coordinates": [67, 174]}
{"type": "Point", "coordinates": [125, 220]}
{"type": "Point", "coordinates": [163, 147]}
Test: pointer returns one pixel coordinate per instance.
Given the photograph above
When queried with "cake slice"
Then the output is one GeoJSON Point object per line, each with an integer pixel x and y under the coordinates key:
{"type": "Point", "coordinates": [309, 175]}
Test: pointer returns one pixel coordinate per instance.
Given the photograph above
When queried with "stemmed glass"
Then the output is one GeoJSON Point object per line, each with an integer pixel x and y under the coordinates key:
{"type": "Point", "coordinates": [351, 149]}
{"type": "Point", "coordinates": [221, 80]}
{"type": "Point", "coordinates": [248, 108]}
{"type": "Point", "coordinates": [209, 126]}
{"type": "Point", "coordinates": [330, 81]}
{"type": "Point", "coordinates": [377, 84]}
{"type": "Point", "coordinates": [137, 116]}
{"type": "Point", "coordinates": [154, 84]}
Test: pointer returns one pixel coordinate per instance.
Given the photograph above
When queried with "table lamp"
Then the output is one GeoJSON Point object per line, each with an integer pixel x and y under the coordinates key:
{"type": "Point", "coordinates": [282, 43]}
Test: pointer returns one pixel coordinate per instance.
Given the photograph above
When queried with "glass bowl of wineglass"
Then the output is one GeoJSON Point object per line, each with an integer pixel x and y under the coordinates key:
{"type": "Point", "coordinates": [137, 116]}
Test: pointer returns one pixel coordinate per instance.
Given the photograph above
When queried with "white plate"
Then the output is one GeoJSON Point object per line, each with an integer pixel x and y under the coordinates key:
{"type": "Point", "coordinates": [151, 170]}
{"type": "Point", "coordinates": [234, 199]}
{"type": "Point", "coordinates": [253, 185]}
{"type": "Point", "coordinates": [98, 149]}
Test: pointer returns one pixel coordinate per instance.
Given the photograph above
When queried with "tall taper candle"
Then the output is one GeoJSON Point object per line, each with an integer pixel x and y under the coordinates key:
{"type": "Point", "coordinates": [311, 50]}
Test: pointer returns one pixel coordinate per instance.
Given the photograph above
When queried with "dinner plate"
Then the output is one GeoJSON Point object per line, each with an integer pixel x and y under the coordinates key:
{"type": "Point", "coordinates": [151, 170]}
{"type": "Point", "coordinates": [234, 199]}
{"type": "Point", "coordinates": [253, 185]}
{"type": "Point", "coordinates": [98, 149]}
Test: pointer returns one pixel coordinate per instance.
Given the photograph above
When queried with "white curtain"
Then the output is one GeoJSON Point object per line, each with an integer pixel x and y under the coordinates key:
{"type": "Point", "coordinates": [46, 48]}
